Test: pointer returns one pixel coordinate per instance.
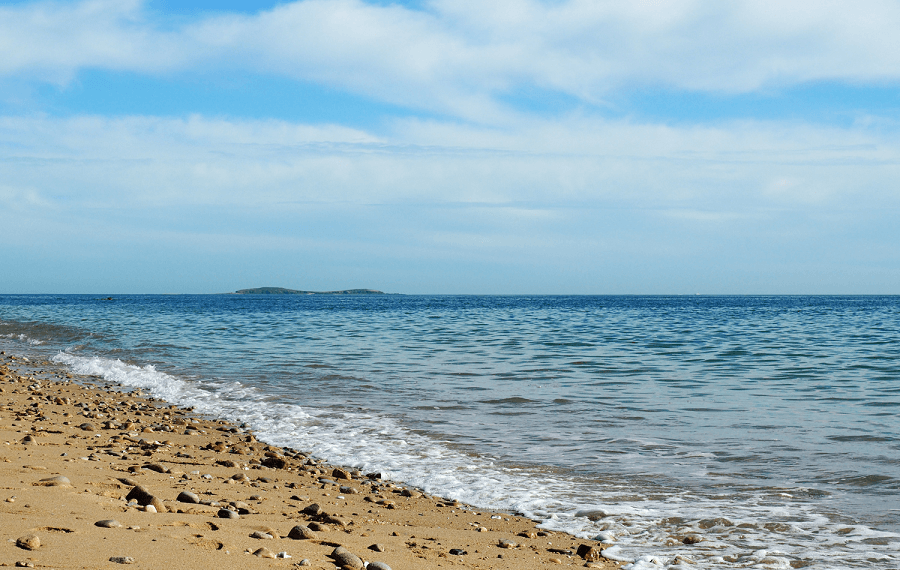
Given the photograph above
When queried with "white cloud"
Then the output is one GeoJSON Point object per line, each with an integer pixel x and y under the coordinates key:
{"type": "Point", "coordinates": [456, 56]}
{"type": "Point", "coordinates": [136, 162]}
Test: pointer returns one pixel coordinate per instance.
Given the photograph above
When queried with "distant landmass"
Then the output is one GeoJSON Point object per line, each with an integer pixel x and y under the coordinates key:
{"type": "Point", "coordinates": [283, 291]}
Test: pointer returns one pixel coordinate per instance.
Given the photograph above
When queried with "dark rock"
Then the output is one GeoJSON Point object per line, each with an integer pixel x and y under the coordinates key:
{"type": "Point", "coordinates": [588, 552]}
{"type": "Point", "coordinates": [228, 514]}
{"type": "Point", "coordinates": [348, 490]}
{"type": "Point", "coordinates": [122, 559]}
{"type": "Point", "coordinates": [373, 476]}
{"type": "Point", "coordinates": [187, 497]}
{"type": "Point", "coordinates": [333, 519]}
{"type": "Point", "coordinates": [319, 527]}
{"type": "Point", "coordinates": [313, 509]}
{"type": "Point", "coordinates": [563, 551]}
{"type": "Point", "coordinates": [264, 553]}
{"type": "Point", "coordinates": [301, 532]}
{"type": "Point", "coordinates": [109, 523]}
{"type": "Point", "coordinates": [140, 494]}
{"type": "Point", "coordinates": [274, 462]}
{"type": "Point", "coordinates": [692, 539]}
{"type": "Point", "coordinates": [458, 552]}
{"type": "Point", "coordinates": [377, 547]}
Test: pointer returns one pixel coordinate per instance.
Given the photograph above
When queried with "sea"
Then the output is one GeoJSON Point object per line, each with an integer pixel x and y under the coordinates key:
{"type": "Point", "coordinates": [766, 427]}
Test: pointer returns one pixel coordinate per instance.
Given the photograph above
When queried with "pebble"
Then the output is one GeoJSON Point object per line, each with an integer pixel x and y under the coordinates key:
{"type": "Point", "coordinates": [312, 509]}
{"type": "Point", "coordinates": [348, 490]}
{"type": "Point", "coordinates": [304, 562]}
{"type": "Point", "coordinates": [28, 542]}
{"type": "Point", "coordinates": [187, 497]}
{"type": "Point", "coordinates": [59, 481]}
{"type": "Point", "coordinates": [88, 426]}
{"type": "Point", "coordinates": [556, 560]}
{"type": "Point", "coordinates": [458, 552]}
{"type": "Point", "coordinates": [301, 532]}
{"type": "Point", "coordinates": [282, 554]}
{"type": "Point", "coordinates": [377, 547]}
{"type": "Point", "coordinates": [377, 566]}
{"type": "Point", "coordinates": [260, 534]}
{"type": "Point", "coordinates": [156, 467]}
{"type": "Point", "coordinates": [109, 523]}
{"type": "Point", "coordinates": [150, 509]}
{"type": "Point", "coordinates": [344, 557]}
{"type": "Point", "coordinates": [122, 559]}
{"type": "Point", "coordinates": [264, 553]}
{"type": "Point", "coordinates": [692, 539]}
{"type": "Point", "coordinates": [506, 543]}
{"type": "Point", "coordinates": [228, 514]}
{"type": "Point", "coordinates": [338, 473]}
{"type": "Point", "coordinates": [24, 564]}
{"type": "Point", "coordinates": [588, 552]}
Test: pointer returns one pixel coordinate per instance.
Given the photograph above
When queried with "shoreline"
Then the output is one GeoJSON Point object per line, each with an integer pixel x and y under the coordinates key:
{"type": "Point", "coordinates": [106, 443]}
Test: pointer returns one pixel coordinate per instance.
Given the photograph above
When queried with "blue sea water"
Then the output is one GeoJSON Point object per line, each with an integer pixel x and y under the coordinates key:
{"type": "Point", "coordinates": [767, 425]}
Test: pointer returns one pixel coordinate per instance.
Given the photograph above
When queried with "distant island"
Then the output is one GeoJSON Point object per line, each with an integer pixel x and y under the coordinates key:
{"type": "Point", "coordinates": [283, 291]}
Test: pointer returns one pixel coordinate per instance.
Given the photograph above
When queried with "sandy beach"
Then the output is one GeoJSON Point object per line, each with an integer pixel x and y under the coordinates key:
{"type": "Point", "coordinates": [96, 478]}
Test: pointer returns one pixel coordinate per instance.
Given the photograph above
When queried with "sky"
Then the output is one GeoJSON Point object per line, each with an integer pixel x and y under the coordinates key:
{"type": "Point", "coordinates": [450, 146]}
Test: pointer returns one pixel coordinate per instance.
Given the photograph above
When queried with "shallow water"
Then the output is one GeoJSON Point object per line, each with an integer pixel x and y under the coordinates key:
{"type": "Point", "coordinates": [768, 425]}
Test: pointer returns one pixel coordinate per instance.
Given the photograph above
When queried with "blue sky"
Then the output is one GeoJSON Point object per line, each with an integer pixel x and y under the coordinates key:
{"type": "Point", "coordinates": [450, 146]}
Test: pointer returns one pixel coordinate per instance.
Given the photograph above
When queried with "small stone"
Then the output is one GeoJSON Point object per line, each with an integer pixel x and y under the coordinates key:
{"type": "Point", "coordinates": [338, 473]}
{"type": "Point", "coordinates": [156, 467]}
{"type": "Point", "coordinates": [282, 554]}
{"type": "Point", "coordinates": [588, 552]}
{"type": "Point", "coordinates": [377, 547]}
{"type": "Point", "coordinates": [59, 481]}
{"type": "Point", "coordinates": [344, 557]}
{"type": "Point", "coordinates": [692, 539]}
{"type": "Point", "coordinates": [319, 527]}
{"type": "Point", "coordinates": [24, 564]}
{"type": "Point", "coordinates": [458, 552]}
{"type": "Point", "coordinates": [187, 497]}
{"type": "Point", "coordinates": [150, 509]}
{"type": "Point", "coordinates": [29, 440]}
{"type": "Point", "coordinates": [301, 532]}
{"type": "Point", "coordinates": [260, 534]}
{"type": "Point", "coordinates": [556, 560]}
{"type": "Point", "coordinates": [274, 462]}
{"type": "Point", "coordinates": [28, 542]}
{"type": "Point", "coordinates": [88, 426]}
{"type": "Point", "coordinates": [482, 529]}
{"type": "Point", "coordinates": [264, 553]}
{"type": "Point", "coordinates": [333, 519]}
{"type": "Point", "coordinates": [228, 514]}
{"type": "Point", "coordinates": [506, 543]}
{"type": "Point", "coordinates": [108, 523]}
{"type": "Point", "coordinates": [313, 509]}
{"type": "Point", "coordinates": [304, 562]}
{"type": "Point", "coordinates": [348, 490]}
{"type": "Point", "coordinates": [528, 534]}
{"type": "Point", "coordinates": [377, 566]}
{"type": "Point", "coordinates": [122, 559]}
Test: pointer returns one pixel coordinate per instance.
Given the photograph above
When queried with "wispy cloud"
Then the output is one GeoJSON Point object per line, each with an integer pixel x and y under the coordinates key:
{"type": "Point", "coordinates": [457, 57]}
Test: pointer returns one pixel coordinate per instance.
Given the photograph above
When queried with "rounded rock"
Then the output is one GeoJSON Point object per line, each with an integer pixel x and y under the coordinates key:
{"type": "Point", "coordinates": [59, 481]}
{"type": "Point", "coordinates": [108, 523]}
{"type": "Point", "coordinates": [228, 514]}
{"type": "Point", "coordinates": [301, 532]}
{"type": "Point", "coordinates": [187, 497]}
{"type": "Point", "coordinates": [377, 566]}
{"type": "Point", "coordinates": [28, 542]}
{"type": "Point", "coordinates": [264, 553]}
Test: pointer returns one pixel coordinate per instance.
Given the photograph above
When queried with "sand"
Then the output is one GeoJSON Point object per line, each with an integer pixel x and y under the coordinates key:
{"type": "Point", "coordinates": [134, 440]}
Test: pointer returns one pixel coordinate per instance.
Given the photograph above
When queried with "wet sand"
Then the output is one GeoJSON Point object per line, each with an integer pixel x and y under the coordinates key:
{"type": "Point", "coordinates": [74, 450]}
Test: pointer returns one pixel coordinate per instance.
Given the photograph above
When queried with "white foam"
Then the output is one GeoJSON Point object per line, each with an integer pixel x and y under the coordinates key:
{"type": "Point", "coordinates": [373, 442]}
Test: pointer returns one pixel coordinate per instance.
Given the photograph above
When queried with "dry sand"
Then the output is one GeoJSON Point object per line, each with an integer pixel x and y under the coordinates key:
{"type": "Point", "coordinates": [134, 440]}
